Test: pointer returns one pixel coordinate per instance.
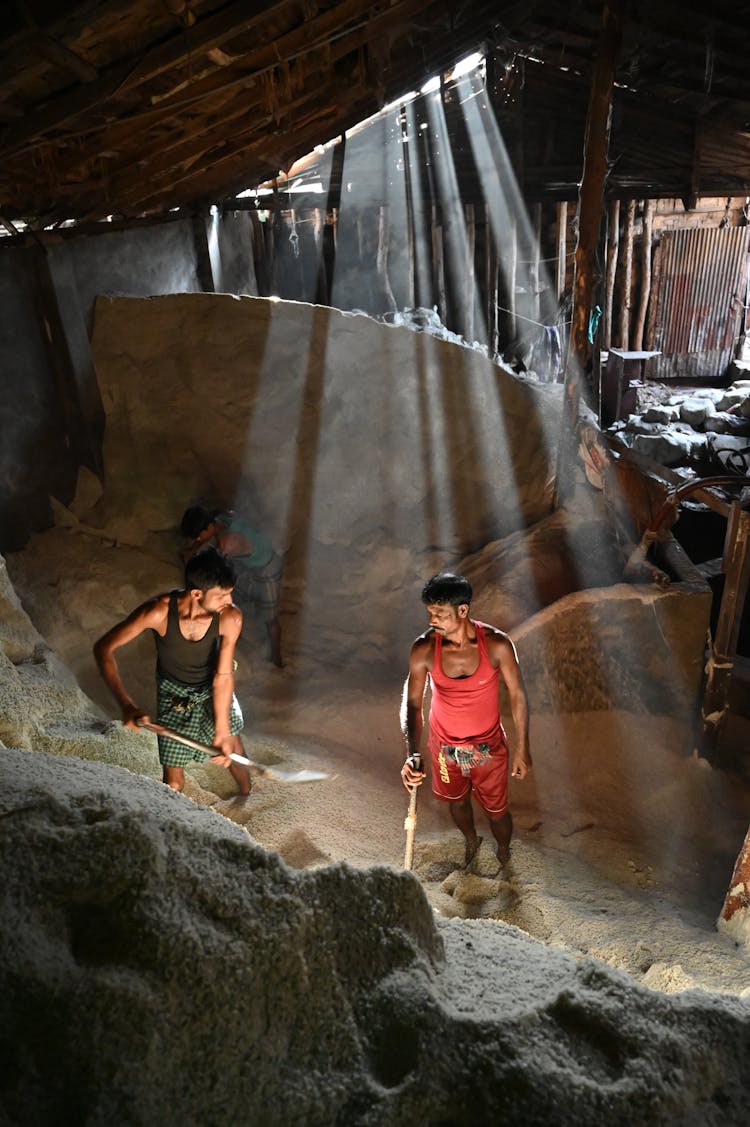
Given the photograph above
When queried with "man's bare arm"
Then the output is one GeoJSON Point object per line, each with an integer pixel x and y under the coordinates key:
{"type": "Point", "coordinates": [230, 626]}
{"type": "Point", "coordinates": [148, 616]}
{"type": "Point", "coordinates": [510, 669]}
{"type": "Point", "coordinates": [412, 717]}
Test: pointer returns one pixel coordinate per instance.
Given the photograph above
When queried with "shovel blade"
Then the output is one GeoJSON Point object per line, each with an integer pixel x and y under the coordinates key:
{"type": "Point", "coordinates": [279, 773]}
{"type": "Point", "coordinates": [283, 776]}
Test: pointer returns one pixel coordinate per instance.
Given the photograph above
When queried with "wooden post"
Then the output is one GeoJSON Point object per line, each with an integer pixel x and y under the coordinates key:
{"type": "Point", "coordinates": [438, 265]}
{"type": "Point", "coordinates": [328, 241]}
{"type": "Point", "coordinates": [535, 257]}
{"type": "Point", "coordinates": [613, 243]}
{"type": "Point", "coordinates": [469, 276]}
{"type": "Point", "coordinates": [512, 272]}
{"type": "Point", "coordinates": [79, 414]}
{"type": "Point", "coordinates": [627, 282]}
{"type": "Point", "coordinates": [411, 296]}
{"type": "Point", "coordinates": [203, 264]}
{"type": "Point", "coordinates": [590, 202]}
{"type": "Point", "coordinates": [640, 321]}
{"type": "Point", "coordinates": [492, 275]}
{"type": "Point", "coordinates": [562, 250]}
{"type": "Point", "coordinates": [724, 646]}
{"type": "Point", "coordinates": [382, 259]}
{"type": "Point", "coordinates": [321, 287]}
{"type": "Point", "coordinates": [259, 256]}
{"type": "Point", "coordinates": [651, 316]}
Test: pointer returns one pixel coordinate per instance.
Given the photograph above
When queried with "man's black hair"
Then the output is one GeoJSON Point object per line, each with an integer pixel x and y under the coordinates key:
{"type": "Point", "coordinates": [195, 519]}
{"type": "Point", "coordinates": [447, 587]}
{"type": "Point", "coordinates": [209, 568]}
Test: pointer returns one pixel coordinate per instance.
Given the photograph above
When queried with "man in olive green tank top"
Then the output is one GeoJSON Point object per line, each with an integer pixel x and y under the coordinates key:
{"type": "Point", "coordinates": [196, 631]}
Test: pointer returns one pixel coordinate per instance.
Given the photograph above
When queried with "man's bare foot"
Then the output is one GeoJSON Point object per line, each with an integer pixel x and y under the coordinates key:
{"type": "Point", "coordinates": [503, 855]}
{"type": "Point", "coordinates": [470, 851]}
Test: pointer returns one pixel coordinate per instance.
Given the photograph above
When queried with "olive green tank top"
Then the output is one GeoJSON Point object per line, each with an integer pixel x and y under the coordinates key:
{"type": "Point", "coordinates": [192, 663]}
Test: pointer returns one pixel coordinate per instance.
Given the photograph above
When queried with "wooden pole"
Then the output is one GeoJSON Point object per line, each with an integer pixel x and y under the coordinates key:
{"type": "Point", "coordinates": [651, 316]}
{"type": "Point", "coordinates": [411, 295]}
{"type": "Point", "coordinates": [535, 257]}
{"type": "Point", "coordinates": [321, 287]}
{"type": "Point", "coordinates": [590, 202]}
{"type": "Point", "coordinates": [640, 321]}
{"type": "Point", "coordinates": [492, 274]}
{"type": "Point", "coordinates": [384, 232]}
{"type": "Point", "coordinates": [469, 276]}
{"type": "Point", "coordinates": [328, 241]}
{"type": "Point", "coordinates": [627, 282]}
{"type": "Point", "coordinates": [259, 255]}
{"type": "Point", "coordinates": [512, 272]}
{"type": "Point", "coordinates": [438, 265]}
{"type": "Point", "coordinates": [203, 265]}
{"type": "Point", "coordinates": [613, 243]}
{"type": "Point", "coordinates": [562, 251]}
{"type": "Point", "coordinates": [724, 646]}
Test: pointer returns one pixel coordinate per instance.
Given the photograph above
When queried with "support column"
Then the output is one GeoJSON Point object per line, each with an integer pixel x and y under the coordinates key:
{"type": "Point", "coordinates": [723, 650]}
{"type": "Point", "coordinates": [640, 321]}
{"type": "Point", "coordinates": [613, 243]}
{"type": "Point", "coordinates": [590, 203]}
{"type": "Point", "coordinates": [328, 242]}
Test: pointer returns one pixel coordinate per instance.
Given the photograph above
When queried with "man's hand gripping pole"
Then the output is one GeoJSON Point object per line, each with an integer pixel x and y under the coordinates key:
{"type": "Point", "coordinates": [410, 822]}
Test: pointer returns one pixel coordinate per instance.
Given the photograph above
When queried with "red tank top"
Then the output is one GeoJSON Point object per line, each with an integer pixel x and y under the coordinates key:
{"type": "Point", "coordinates": [465, 709]}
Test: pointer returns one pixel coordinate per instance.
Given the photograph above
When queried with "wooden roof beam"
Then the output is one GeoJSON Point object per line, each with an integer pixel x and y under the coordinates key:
{"type": "Point", "coordinates": [239, 17]}
{"type": "Point", "coordinates": [55, 52]}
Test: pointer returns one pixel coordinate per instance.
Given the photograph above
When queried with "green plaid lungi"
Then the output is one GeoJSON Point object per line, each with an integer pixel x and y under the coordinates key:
{"type": "Point", "coordinates": [189, 710]}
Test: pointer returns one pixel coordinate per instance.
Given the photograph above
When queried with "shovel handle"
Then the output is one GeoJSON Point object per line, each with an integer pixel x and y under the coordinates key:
{"type": "Point", "coordinates": [410, 821]}
{"type": "Point", "coordinates": [196, 745]}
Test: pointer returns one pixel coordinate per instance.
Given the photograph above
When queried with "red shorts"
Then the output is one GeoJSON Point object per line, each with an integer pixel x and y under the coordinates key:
{"type": "Point", "coordinates": [488, 780]}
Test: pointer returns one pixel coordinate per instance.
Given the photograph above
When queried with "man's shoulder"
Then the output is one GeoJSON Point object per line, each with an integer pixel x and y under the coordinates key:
{"type": "Point", "coordinates": [495, 639]}
{"type": "Point", "coordinates": [424, 645]}
{"type": "Point", "coordinates": [490, 631]}
{"type": "Point", "coordinates": [230, 620]}
{"type": "Point", "coordinates": [156, 606]}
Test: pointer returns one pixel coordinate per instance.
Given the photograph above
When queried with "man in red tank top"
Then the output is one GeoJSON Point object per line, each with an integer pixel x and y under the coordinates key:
{"type": "Point", "coordinates": [468, 749]}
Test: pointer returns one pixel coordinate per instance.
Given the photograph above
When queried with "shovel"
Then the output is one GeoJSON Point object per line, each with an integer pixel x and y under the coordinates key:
{"type": "Point", "coordinates": [278, 773]}
{"type": "Point", "coordinates": [410, 821]}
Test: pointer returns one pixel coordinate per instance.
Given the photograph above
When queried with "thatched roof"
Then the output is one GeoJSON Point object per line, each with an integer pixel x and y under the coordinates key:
{"type": "Point", "coordinates": [132, 108]}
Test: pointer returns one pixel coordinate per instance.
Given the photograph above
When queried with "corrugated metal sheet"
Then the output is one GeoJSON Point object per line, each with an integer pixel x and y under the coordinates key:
{"type": "Point", "coordinates": [697, 297]}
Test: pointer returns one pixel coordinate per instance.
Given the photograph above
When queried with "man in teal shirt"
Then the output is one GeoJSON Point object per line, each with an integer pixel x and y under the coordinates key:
{"type": "Point", "coordinates": [259, 568]}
